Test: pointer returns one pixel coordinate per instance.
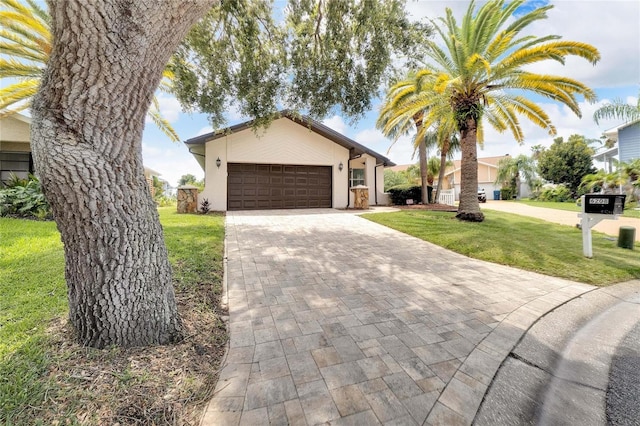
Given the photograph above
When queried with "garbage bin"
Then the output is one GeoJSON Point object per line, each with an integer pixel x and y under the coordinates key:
{"type": "Point", "coordinates": [626, 237]}
{"type": "Point", "coordinates": [496, 195]}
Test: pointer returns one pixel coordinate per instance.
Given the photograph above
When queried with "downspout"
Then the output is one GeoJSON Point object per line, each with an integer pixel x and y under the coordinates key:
{"type": "Point", "coordinates": [375, 183]}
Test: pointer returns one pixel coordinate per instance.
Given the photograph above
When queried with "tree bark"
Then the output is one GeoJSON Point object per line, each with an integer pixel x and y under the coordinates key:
{"type": "Point", "coordinates": [469, 207]}
{"type": "Point", "coordinates": [89, 114]}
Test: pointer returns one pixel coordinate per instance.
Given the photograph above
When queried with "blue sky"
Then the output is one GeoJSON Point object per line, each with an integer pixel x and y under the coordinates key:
{"type": "Point", "coordinates": [611, 26]}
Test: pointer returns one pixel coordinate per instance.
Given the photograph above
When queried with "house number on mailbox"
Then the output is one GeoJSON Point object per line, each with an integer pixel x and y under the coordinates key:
{"type": "Point", "coordinates": [598, 201]}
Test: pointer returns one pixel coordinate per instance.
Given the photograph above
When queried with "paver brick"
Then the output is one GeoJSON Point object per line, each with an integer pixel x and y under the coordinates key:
{"type": "Point", "coordinates": [355, 330]}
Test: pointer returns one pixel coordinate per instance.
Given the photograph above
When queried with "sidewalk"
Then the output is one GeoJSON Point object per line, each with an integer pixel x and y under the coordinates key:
{"type": "Point", "coordinates": [563, 217]}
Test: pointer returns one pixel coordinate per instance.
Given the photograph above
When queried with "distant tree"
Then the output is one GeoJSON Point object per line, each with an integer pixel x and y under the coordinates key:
{"type": "Point", "coordinates": [511, 170]}
{"type": "Point", "coordinates": [187, 179]}
{"type": "Point", "coordinates": [566, 162]}
{"type": "Point", "coordinates": [158, 187]}
{"type": "Point", "coordinates": [393, 178]}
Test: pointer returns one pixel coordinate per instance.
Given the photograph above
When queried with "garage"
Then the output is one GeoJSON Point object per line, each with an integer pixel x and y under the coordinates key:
{"type": "Point", "coordinates": [278, 186]}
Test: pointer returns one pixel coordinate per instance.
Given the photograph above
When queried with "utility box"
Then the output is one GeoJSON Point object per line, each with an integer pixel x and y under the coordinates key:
{"type": "Point", "coordinates": [609, 204]}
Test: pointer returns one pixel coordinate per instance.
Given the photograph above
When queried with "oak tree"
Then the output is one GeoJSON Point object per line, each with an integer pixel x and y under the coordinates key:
{"type": "Point", "coordinates": [106, 61]}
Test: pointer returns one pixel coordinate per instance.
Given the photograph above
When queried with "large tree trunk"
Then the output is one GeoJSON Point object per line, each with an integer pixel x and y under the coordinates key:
{"type": "Point", "coordinates": [469, 207]}
{"type": "Point", "coordinates": [89, 114]}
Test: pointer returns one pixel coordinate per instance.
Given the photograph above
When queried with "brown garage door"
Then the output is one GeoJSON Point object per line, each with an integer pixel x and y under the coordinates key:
{"type": "Point", "coordinates": [277, 186]}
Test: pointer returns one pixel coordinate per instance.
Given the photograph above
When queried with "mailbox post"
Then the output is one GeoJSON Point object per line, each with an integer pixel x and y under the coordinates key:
{"type": "Point", "coordinates": [595, 208]}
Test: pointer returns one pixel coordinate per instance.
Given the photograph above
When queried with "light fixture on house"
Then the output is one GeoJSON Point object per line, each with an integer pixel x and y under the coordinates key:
{"type": "Point", "coordinates": [218, 162]}
{"type": "Point", "coordinates": [340, 166]}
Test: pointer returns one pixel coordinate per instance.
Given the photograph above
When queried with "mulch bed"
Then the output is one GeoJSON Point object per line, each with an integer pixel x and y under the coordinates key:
{"type": "Point", "coordinates": [161, 385]}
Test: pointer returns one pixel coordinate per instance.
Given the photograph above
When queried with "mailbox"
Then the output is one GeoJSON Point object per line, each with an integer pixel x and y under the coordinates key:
{"type": "Point", "coordinates": [609, 204]}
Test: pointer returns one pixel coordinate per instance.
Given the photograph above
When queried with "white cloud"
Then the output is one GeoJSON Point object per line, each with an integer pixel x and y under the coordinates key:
{"type": "Point", "coordinates": [170, 108]}
{"type": "Point", "coordinates": [171, 162]}
{"type": "Point", "coordinates": [204, 130]}
{"type": "Point", "coordinates": [336, 123]}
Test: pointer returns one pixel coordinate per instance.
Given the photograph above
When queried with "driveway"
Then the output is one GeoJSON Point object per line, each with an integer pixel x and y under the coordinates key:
{"type": "Point", "coordinates": [334, 319]}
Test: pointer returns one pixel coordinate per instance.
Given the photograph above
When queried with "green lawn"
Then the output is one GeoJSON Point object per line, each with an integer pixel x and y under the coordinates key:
{"type": "Point", "coordinates": [521, 242]}
{"type": "Point", "coordinates": [33, 293]}
{"type": "Point", "coordinates": [571, 206]}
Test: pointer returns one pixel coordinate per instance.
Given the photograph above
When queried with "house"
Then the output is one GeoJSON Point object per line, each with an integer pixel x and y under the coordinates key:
{"type": "Point", "coordinates": [15, 149]}
{"type": "Point", "coordinates": [627, 145]}
{"type": "Point", "coordinates": [295, 163]}
{"type": "Point", "coordinates": [487, 172]}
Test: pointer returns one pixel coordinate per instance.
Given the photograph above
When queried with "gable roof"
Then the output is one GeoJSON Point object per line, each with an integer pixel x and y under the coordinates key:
{"type": "Point", "coordinates": [613, 133]}
{"type": "Point", "coordinates": [315, 126]}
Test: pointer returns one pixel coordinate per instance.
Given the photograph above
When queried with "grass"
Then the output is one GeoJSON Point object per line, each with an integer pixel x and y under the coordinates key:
{"type": "Point", "coordinates": [45, 377]}
{"type": "Point", "coordinates": [573, 207]}
{"type": "Point", "coordinates": [521, 242]}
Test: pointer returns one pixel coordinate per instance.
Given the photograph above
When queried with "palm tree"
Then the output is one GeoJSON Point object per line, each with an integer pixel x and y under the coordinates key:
{"type": "Point", "coordinates": [446, 142]}
{"type": "Point", "coordinates": [393, 125]}
{"type": "Point", "coordinates": [618, 109]}
{"type": "Point", "coordinates": [511, 168]}
{"type": "Point", "coordinates": [480, 73]}
{"type": "Point", "coordinates": [394, 120]}
{"type": "Point", "coordinates": [25, 43]}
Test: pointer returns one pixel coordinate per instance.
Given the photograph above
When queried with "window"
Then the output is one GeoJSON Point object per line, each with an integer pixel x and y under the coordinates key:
{"type": "Point", "coordinates": [356, 177]}
{"type": "Point", "coordinates": [11, 163]}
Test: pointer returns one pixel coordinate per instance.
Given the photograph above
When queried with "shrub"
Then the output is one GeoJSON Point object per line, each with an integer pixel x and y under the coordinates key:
{"type": "Point", "coordinates": [557, 193]}
{"type": "Point", "coordinates": [401, 193]}
{"type": "Point", "coordinates": [205, 206]}
{"type": "Point", "coordinates": [507, 193]}
{"type": "Point", "coordinates": [24, 199]}
{"type": "Point", "coordinates": [165, 201]}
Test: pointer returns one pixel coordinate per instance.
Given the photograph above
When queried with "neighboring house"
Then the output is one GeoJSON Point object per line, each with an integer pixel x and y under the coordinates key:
{"type": "Point", "coordinates": [15, 147]}
{"type": "Point", "coordinates": [148, 175]}
{"type": "Point", "coordinates": [487, 172]}
{"type": "Point", "coordinates": [627, 148]}
{"type": "Point", "coordinates": [295, 163]}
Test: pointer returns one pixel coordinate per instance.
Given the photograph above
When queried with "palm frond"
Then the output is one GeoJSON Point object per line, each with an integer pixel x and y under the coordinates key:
{"type": "Point", "coordinates": [18, 92]}
{"type": "Point", "coordinates": [162, 124]}
{"type": "Point", "coordinates": [16, 69]}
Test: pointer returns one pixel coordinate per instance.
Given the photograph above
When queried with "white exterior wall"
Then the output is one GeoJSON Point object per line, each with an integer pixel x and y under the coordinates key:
{"type": "Point", "coordinates": [13, 129]}
{"type": "Point", "coordinates": [373, 179]}
{"type": "Point", "coordinates": [284, 142]}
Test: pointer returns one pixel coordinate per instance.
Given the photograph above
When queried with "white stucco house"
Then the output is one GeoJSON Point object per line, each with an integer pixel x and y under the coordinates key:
{"type": "Point", "coordinates": [295, 163]}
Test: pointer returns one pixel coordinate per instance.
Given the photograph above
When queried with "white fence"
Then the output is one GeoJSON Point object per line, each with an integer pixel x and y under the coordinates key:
{"type": "Point", "coordinates": [447, 196]}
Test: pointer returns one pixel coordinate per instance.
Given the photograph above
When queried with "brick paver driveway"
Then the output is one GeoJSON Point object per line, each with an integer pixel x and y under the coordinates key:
{"type": "Point", "coordinates": [335, 319]}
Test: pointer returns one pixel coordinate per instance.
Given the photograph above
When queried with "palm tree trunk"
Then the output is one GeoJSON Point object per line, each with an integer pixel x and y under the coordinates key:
{"type": "Point", "coordinates": [89, 116]}
{"type": "Point", "coordinates": [469, 207]}
{"type": "Point", "coordinates": [444, 152]}
{"type": "Point", "coordinates": [422, 153]}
